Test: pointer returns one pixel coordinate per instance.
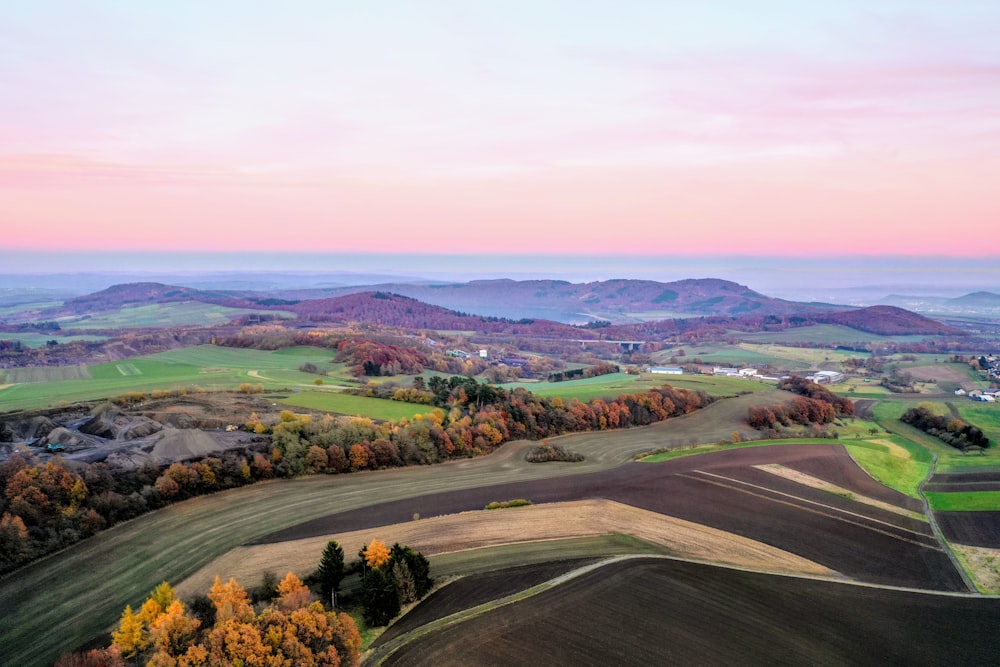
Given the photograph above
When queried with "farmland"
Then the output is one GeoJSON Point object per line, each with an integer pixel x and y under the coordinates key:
{"type": "Point", "coordinates": [847, 509]}
{"type": "Point", "coordinates": [716, 616]}
{"type": "Point", "coordinates": [174, 542]}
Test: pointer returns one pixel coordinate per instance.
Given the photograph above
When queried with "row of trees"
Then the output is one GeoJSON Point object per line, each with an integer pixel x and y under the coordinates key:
{"type": "Point", "coordinates": [800, 410]}
{"type": "Point", "coordinates": [473, 419]}
{"type": "Point", "coordinates": [956, 432]}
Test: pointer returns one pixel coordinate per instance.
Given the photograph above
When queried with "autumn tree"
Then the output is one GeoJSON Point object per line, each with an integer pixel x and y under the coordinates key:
{"type": "Point", "coordinates": [293, 631]}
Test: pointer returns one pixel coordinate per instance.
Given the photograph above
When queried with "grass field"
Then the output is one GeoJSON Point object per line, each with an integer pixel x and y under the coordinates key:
{"type": "Point", "coordinates": [887, 413]}
{"type": "Point", "coordinates": [347, 404]}
{"type": "Point", "coordinates": [965, 501]}
{"type": "Point", "coordinates": [821, 334]}
{"type": "Point", "coordinates": [613, 385]}
{"type": "Point", "coordinates": [206, 366]}
{"type": "Point", "coordinates": [40, 339]}
{"type": "Point", "coordinates": [184, 313]}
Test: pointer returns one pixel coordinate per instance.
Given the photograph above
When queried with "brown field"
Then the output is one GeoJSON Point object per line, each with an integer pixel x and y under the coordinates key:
{"type": "Point", "coordinates": [815, 482]}
{"type": "Point", "coordinates": [722, 490]}
{"type": "Point", "coordinates": [687, 613]}
{"type": "Point", "coordinates": [943, 373]}
{"type": "Point", "coordinates": [486, 528]}
{"type": "Point", "coordinates": [978, 529]}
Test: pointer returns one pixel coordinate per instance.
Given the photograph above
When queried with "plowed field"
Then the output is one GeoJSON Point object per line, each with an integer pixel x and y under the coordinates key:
{"type": "Point", "coordinates": [658, 612]}
{"type": "Point", "coordinates": [722, 490]}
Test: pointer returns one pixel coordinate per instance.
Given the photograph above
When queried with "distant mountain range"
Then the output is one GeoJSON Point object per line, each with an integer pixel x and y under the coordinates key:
{"type": "Point", "coordinates": [617, 301]}
{"type": "Point", "coordinates": [663, 307]}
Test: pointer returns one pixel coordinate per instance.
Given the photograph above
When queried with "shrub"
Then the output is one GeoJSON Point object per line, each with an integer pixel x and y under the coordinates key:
{"type": "Point", "coordinates": [517, 502]}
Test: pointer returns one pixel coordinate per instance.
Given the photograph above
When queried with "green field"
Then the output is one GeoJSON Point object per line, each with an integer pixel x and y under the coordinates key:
{"type": "Point", "coordinates": [40, 339]}
{"type": "Point", "coordinates": [821, 334]}
{"type": "Point", "coordinates": [964, 501]}
{"type": "Point", "coordinates": [347, 404]}
{"type": "Point", "coordinates": [887, 413]}
{"type": "Point", "coordinates": [184, 313]}
{"type": "Point", "coordinates": [613, 385]}
{"type": "Point", "coordinates": [205, 366]}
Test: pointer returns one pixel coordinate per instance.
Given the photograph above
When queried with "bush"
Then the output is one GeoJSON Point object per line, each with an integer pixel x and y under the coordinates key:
{"type": "Point", "coordinates": [518, 502]}
{"type": "Point", "coordinates": [546, 452]}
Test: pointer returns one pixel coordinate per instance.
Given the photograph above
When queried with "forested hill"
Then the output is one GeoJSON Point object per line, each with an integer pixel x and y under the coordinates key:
{"type": "Point", "coordinates": [618, 301]}
{"type": "Point", "coordinates": [889, 321]}
{"type": "Point", "coordinates": [405, 312]}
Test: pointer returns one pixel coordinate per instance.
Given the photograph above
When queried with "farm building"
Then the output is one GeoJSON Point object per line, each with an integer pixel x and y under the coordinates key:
{"type": "Point", "coordinates": [667, 370]}
{"type": "Point", "coordinates": [826, 377]}
{"type": "Point", "coordinates": [985, 398]}
{"type": "Point", "coordinates": [747, 372]}
{"type": "Point", "coordinates": [725, 371]}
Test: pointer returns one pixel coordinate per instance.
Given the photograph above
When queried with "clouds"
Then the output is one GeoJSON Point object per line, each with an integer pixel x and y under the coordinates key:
{"type": "Point", "coordinates": [484, 124]}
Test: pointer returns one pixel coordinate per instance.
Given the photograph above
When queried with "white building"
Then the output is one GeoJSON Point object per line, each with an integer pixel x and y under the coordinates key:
{"type": "Point", "coordinates": [667, 370]}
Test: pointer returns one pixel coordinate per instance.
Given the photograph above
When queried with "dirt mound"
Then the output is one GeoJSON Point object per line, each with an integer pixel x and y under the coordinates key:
{"type": "Point", "coordinates": [26, 430]}
{"type": "Point", "coordinates": [139, 427]}
{"type": "Point", "coordinates": [67, 438]}
{"type": "Point", "coordinates": [175, 444]}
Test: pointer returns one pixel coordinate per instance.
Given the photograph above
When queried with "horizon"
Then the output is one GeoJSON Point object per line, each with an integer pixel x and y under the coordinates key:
{"type": "Point", "coordinates": [630, 129]}
{"type": "Point", "coordinates": [785, 277]}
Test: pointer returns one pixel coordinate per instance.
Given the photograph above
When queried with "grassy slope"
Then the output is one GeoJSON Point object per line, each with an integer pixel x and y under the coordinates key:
{"type": "Point", "coordinates": [206, 366]}
{"type": "Point", "coordinates": [346, 404]}
{"type": "Point", "coordinates": [822, 334]}
{"type": "Point", "coordinates": [40, 339]}
{"type": "Point", "coordinates": [184, 313]}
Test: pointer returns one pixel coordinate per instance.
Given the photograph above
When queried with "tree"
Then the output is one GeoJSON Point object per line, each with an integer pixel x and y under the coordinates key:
{"type": "Point", "coordinates": [128, 638]}
{"type": "Point", "coordinates": [376, 554]}
{"type": "Point", "coordinates": [330, 571]}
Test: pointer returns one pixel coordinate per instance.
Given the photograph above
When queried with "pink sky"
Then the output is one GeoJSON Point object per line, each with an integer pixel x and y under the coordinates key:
{"type": "Point", "coordinates": [618, 127]}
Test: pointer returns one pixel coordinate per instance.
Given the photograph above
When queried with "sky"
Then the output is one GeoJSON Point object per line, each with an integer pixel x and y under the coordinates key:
{"type": "Point", "coordinates": [572, 128]}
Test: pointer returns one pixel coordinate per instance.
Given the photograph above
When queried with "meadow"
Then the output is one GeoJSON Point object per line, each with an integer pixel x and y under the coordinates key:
{"type": "Point", "coordinates": [41, 339]}
{"type": "Point", "coordinates": [204, 367]}
{"type": "Point", "coordinates": [175, 314]}
{"type": "Point", "coordinates": [820, 334]}
{"type": "Point", "coordinates": [360, 406]}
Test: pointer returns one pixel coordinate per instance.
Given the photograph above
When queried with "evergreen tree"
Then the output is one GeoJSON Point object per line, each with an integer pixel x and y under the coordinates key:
{"type": "Point", "coordinates": [331, 570]}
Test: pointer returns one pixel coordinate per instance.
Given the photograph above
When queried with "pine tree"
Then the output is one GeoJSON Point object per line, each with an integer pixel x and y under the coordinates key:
{"type": "Point", "coordinates": [330, 571]}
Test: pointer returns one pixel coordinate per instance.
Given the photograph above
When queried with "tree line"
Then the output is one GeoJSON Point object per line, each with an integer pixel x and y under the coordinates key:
{"type": "Point", "coordinates": [952, 430]}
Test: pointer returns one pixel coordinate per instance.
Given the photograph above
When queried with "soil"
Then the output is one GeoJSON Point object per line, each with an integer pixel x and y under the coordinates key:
{"type": "Point", "coordinates": [978, 529]}
{"type": "Point", "coordinates": [477, 589]}
{"type": "Point", "coordinates": [687, 613]}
